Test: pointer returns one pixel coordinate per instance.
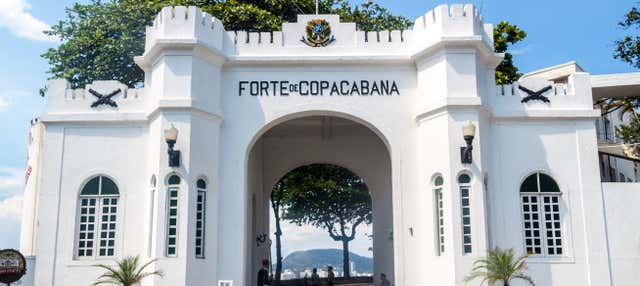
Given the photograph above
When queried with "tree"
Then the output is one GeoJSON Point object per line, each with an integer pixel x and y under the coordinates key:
{"type": "Point", "coordinates": [279, 196]}
{"type": "Point", "coordinates": [629, 133]}
{"type": "Point", "coordinates": [628, 48]}
{"type": "Point", "coordinates": [128, 272]}
{"type": "Point", "coordinates": [100, 39]}
{"type": "Point", "coordinates": [504, 36]}
{"type": "Point", "coordinates": [331, 198]}
{"type": "Point", "coordinates": [500, 266]}
{"type": "Point", "coordinates": [626, 105]}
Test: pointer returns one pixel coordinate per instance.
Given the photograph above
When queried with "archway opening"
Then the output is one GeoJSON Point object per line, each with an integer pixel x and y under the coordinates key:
{"type": "Point", "coordinates": [320, 141]}
{"type": "Point", "coordinates": [321, 217]}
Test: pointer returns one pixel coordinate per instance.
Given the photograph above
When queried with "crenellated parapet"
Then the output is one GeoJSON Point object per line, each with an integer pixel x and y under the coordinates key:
{"type": "Point", "coordinates": [450, 21]}
{"type": "Point", "coordinates": [175, 26]}
{"type": "Point", "coordinates": [185, 25]}
{"type": "Point", "coordinates": [538, 97]}
{"type": "Point", "coordinates": [100, 98]}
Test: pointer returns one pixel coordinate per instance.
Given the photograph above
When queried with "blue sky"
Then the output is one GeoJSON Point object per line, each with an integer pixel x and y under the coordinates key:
{"type": "Point", "coordinates": [559, 31]}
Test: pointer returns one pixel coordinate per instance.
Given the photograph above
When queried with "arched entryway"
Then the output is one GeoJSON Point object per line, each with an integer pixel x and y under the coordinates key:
{"type": "Point", "coordinates": [325, 139]}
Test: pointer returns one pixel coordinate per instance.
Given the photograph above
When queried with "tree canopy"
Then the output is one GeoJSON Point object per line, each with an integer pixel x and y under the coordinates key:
{"type": "Point", "coordinates": [627, 50]}
{"type": "Point", "coordinates": [331, 198]}
{"type": "Point", "coordinates": [504, 36]}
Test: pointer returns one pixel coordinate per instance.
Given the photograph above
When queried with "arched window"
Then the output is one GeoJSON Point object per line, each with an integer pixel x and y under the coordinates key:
{"type": "Point", "coordinates": [540, 196]}
{"type": "Point", "coordinates": [98, 208]}
{"type": "Point", "coordinates": [172, 215]}
{"type": "Point", "coordinates": [200, 217]}
{"type": "Point", "coordinates": [464, 181]}
{"type": "Point", "coordinates": [439, 208]}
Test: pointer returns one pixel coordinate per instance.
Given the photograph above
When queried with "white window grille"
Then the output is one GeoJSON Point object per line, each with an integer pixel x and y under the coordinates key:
{"type": "Point", "coordinates": [465, 209]}
{"type": "Point", "coordinates": [439, 208]}
{"type": "Point", "coordinates": [540, 197]}
{"type": "Point", "coordinates": [201, 203]}
{"type": "Point", "coordinates": [172, 216]}
{"type": "Point", "coordinates": [97, 219]}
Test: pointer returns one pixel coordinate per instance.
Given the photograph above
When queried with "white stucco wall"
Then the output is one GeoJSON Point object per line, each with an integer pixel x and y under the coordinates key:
{"type": "Point", "coordinates": [623, 233]}
{"type": "Point", "coordinates": [443, 69]}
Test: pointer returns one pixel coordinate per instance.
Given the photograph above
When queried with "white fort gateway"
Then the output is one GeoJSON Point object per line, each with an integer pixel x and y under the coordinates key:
{"type": "Point", "coordinates": [392, 106]}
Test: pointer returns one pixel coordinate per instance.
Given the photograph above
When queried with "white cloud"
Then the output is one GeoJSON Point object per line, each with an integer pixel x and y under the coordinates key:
{"type": "Point", "coordinates": [15, 16]}
{"type": "Point", "coordinates": [4, 102]}
{"type": "Point", "coordinates": [11, 182]}
{"type": "Point", "coordinates": [11, 208]}
{"type": "Point", "coordinates": [8, 97]}
{"type": "Point", "coordinates": [10, 217]}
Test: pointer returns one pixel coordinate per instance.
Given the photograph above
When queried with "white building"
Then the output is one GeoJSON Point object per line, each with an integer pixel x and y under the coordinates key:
{"type": "Point", "coordinates": [390, 106]}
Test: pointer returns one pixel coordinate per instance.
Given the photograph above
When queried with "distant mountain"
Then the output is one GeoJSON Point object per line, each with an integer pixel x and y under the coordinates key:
{"type": "Point", "coordinates": [321, 258]}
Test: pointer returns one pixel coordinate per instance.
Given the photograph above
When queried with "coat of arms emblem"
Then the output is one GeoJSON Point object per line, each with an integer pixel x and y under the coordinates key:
{"type": "Point", "coordinates": [318, 34]}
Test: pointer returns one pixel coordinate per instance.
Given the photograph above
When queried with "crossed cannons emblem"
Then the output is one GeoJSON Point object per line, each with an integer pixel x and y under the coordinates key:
{"type": "Point", "coordinates": [104, 99]}
{"type": "Point", "coordinates": [535, 95]}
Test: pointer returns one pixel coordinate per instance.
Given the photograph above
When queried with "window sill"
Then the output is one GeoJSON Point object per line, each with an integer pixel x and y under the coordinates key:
{"type": "Point", "coordinates": [551, 260]}
{"type": "Point", "coordinates": [90, 262]}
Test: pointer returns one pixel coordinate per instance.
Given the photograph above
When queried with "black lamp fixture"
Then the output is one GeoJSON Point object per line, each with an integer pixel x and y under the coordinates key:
{"type": "Point", "coordinates": [468, 133]}
{"type": "Point", "coordinates": [171, 136]}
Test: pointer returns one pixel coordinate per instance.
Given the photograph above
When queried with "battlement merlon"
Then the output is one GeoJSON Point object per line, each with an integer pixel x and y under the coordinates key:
{"type": "Point", "coordinates": [183, 27]}
{"type": "Point", "coordinates": [459, 25]}
{"type": "Point", "coordinates": [456, 20]}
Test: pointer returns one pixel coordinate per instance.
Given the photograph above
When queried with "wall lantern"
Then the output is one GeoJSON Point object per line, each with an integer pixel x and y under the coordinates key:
{"type": "Point", "coordinates": [468, 132]}
{"type": "Point", "coordinates": [171, 136]}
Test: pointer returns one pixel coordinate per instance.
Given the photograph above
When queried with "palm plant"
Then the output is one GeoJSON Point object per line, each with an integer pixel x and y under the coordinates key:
{"type": "Point", "coordinates": [500, 266]}
{"type": "Point", "coordinates": [626, 105]}
{"type": "Point", "coordinates": [128, 272]}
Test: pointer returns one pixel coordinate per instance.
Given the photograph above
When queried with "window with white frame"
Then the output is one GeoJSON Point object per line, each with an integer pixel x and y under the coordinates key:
{"type": "Point", "coordinates": [201, 202]}
{"type": "Point", "coordinates": [540, 197]}
{"type": "Point", "coordinates": [152, 208]}
{"type": "Point", "coordinates": [97, 218]}
{"type": "Point", "coordinates": [172, 216]}
{"type": "Point", "coordinates": [439, 209]}
{"type": "Point", "coordinates": [464, 182]}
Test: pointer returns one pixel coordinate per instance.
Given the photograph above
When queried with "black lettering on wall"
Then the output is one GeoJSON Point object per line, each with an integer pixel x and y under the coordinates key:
{"type": "Point", "coordinates": [323, 86]}
{"type": "Point", "coordinates": [344, 87]}
{"type": "Point", "coordinates": [364, 87]}
{"type": "Point", "coordinates": [304, 87]}
{"type": "Point", "coordinates": [241, 87]}
{"type": "Point", "coordinates": [254, 88]}
{"type": "Point", "coordinates": [314, 87]}
{"type": "Point", "coordinates": [394, 88]}
{"type": "Point", "coordinates": [283, 88]}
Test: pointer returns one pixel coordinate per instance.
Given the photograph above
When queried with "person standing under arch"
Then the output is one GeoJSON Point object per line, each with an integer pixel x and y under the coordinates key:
{"type": "Point", "coordinates": [263, 273]}
{"type": "Point", "coordinates": [330, 276]}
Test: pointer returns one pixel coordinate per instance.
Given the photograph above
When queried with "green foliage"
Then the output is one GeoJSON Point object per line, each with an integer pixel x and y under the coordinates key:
{"type": "Point", "coordinates": [327, 196]}
{"type": "Point", "coordinates": [629, 133]}
{"type": "Point", "coordinates": [128, 273]}
{"type": "Point", "coordinates": [331, 198]}
{"type": "Point", "coordinates": [500, 266]}
{"type": "Point", "coordinates": [100, 38]}
{"type": "Point", "coordinates": [370, 17]}
{"type": "Point", "coordinates": [504, 36]}
{"type": "Point", "coordinates": [99, 41]}
{"type": "Point", "coordinates": [628, 48]}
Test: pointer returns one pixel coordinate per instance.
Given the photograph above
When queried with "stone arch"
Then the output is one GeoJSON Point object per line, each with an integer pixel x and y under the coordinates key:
{"type": "Point", "coordinates": [366, 154]}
